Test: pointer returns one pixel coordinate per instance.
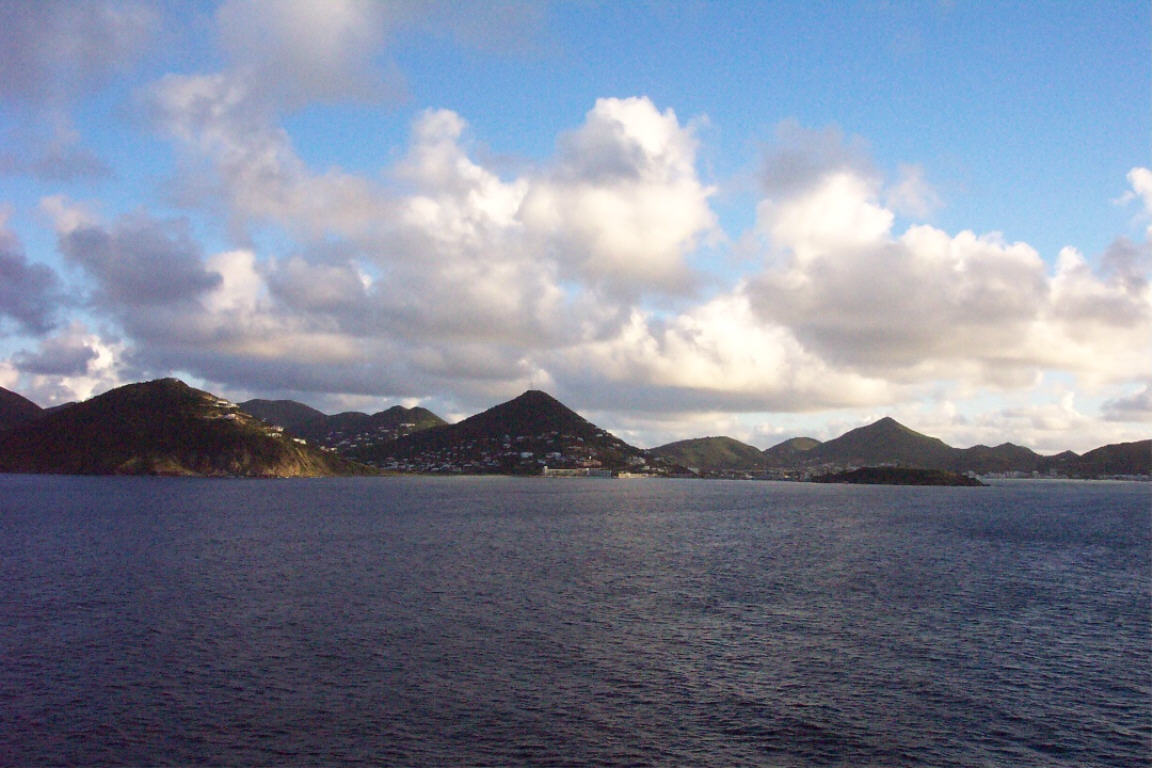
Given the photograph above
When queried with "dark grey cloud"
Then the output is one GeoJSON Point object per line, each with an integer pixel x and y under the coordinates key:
{"type": "Point", "coordinates": [60, 160]}
{"type": "Point", "coordinates": [52, 50]}
{"type": "Point", "coordinates": [1136, 407]}
{"type": "Point", "coordinates": [505, 25]}
{"type": "Point", "coordinates": [391, 377]}
{"type": "Point", "coordinates": [322, 288]}
{"type": "Point", "coordinates": [67, 355]}
{"type": "Point", "coordinates": [1128, 261]}
{"type": "Point", "coordinates": [29, 292]}
{"type": "Point", "coordinates": [140, 261]}
{"type": "Point", "coordinates": [296, 52]}
{"type": "Point", "coordinates": [799, 158]}
{"type": "Point", "coordinates": [53, 53]}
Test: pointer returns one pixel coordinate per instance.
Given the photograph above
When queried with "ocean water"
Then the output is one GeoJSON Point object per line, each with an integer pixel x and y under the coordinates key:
{"type": "Point", "coordinates": [501, 622]}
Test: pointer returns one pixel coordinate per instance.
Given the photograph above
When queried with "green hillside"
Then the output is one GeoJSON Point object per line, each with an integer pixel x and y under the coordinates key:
{"type": "Point", "coordinates": [712, 454]}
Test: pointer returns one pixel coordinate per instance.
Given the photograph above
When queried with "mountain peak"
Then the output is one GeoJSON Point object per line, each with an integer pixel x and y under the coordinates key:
{"type": "Point", "coordinates": [888, 424]}
{"type": "Point", "coordinates": [883, 441]}
{"type": "Point", "coordinates": [532, 412]}
{"type": "Point", "coordinates": [535, 396]}
{"type": "Point", "coordinates": [519, 436]}
{"type": "Point", "coordinates": [167, 384]}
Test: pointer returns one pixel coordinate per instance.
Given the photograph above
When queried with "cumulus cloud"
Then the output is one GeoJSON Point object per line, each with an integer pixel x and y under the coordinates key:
{"type": "Point", "coordinates": [840, 213]}
{"type": "Point", "coordinates": [137, 262]}
{"type": "Point", "coordinates": [620, 209]}
{"type": "Point", "coordinates": [926, 305]}
{"type": "Point", "coordinates": [800, 158]}
{"type": "Point", "coordinates": [477, 278]}
{"type": "Point", "coordinates": [454, 205]}
{"type": "Point", "coordinates": [718, 357]}
{"type": "Point", "coordinates": [29, 292]}
{"type": "Point", "coordinates": [462, 252]}
{"type": "Point", "coordinates": [74, 364]}
{"type": "Point", "coordinates": [624, 206]}
{"type": "Point", "coordinates": [239, 161]}
{"type": "Point", "coordinates": [319, 288]}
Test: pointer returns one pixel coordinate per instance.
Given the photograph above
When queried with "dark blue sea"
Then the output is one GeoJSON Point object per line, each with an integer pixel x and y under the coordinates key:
{"type": "Point", "coordinates": [504, 622]}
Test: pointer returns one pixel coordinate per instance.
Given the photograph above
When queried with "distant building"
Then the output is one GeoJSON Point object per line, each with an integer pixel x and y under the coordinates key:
{"type": "Point", "coordinates": [576, 472]}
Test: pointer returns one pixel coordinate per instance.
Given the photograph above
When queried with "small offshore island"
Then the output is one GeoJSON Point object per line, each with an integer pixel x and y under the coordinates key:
{"type": "Point", "coordinates": [899, 476]}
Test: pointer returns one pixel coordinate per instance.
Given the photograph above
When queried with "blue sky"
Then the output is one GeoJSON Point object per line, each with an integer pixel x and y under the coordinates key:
{"type": "Point", "coordinates": [759, 219]}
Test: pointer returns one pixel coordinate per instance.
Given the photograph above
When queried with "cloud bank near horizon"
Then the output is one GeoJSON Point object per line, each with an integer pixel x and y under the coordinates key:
{"type": "Point", "coordinates": [589, 272]}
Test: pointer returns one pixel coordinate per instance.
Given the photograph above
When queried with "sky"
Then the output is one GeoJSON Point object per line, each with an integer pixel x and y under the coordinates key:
{"type": "Point", "coordinates": [754, 219]}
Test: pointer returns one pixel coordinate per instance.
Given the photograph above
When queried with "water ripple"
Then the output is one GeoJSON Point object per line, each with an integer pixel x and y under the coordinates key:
{"type": "Point", "coordinates": [498, 622]}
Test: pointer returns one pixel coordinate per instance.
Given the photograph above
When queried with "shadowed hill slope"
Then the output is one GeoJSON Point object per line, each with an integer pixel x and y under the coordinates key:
{"type": "Point", "coordinates": [16, 410]}
{"type": "Point", "coordinates": [285, 413]}
{"type": "Point", "coordinates": [343, 431]}
{"type": "Point", "coordinates": [161, 427]}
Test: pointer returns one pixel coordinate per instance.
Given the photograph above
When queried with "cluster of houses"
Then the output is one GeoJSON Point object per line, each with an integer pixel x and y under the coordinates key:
{"type": "Point", "coordinates": [553, 454]}
{"type": "Point", "coordinates": [226, 410]}
{"type": "Point", "coordinates": [341, 440]}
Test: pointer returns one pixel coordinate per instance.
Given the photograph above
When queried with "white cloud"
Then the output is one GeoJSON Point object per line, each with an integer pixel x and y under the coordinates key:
{"type": "Point", "coordinates": [717, 356]}
{"type": "Point", "coordinates": [456, 205]}
{"type": "Point", "coordinates": [624, 206]}
{"type": "Point", "coordinates": [1140, 180]}
{"type": "Point", "coordinates": [238, 160]}
{"type": "Point", "coordinates": [9, 375]}
{"type": "Point", "coordinates": [838, 214]}
{"type": "Point", "coordinates": [72, 365]}
{"type": "Point", "coordinates": [463, 252]}
{"type": "Point", "coordinates": [240, 290]}
{"type": "Point", "coordinates": [926, 305]}
{"type": "Point", "coordinates": [912, 195]}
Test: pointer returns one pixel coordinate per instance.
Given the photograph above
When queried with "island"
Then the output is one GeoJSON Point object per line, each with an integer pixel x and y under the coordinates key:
{"type": "Point", "coordinates": [898, 476]}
